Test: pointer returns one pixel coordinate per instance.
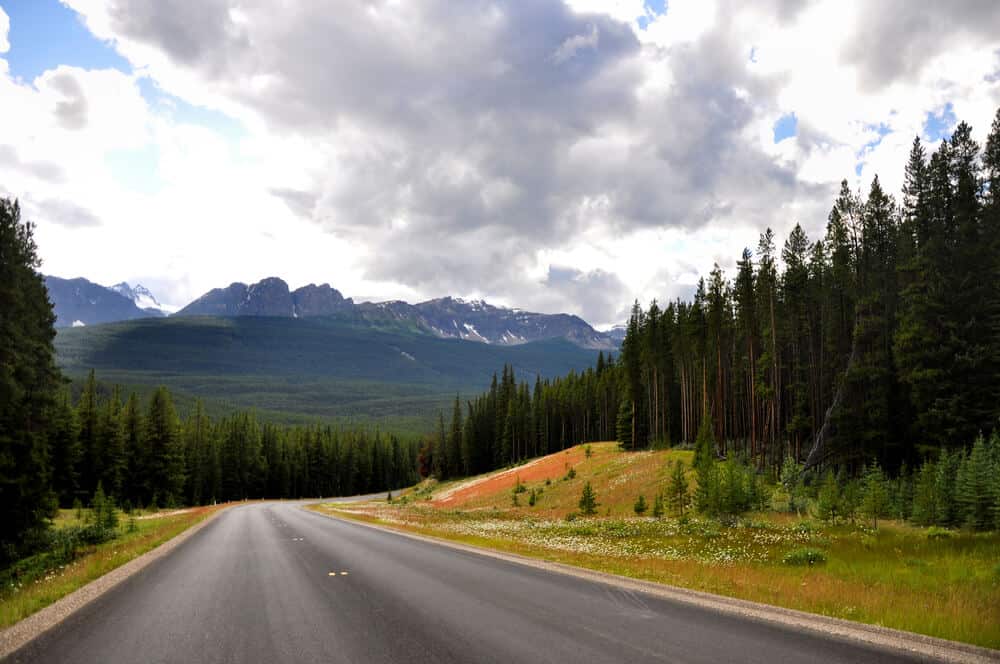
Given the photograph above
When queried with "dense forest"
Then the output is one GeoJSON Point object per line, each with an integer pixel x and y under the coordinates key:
{"type": "Point", "coordinates": [877, 343]}
{"type": "Point", "coordinates": [55, 450]}
{"type": "Point", "coordinates": [143, 454]}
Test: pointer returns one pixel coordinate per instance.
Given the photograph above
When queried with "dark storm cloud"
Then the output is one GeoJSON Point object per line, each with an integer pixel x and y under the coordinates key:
{"type": "Point", "coordinates": [894, 39]}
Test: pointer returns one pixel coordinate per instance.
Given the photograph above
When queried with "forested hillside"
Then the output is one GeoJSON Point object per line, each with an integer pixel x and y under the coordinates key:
{"type": "Point", "coordinates": [878, 342]}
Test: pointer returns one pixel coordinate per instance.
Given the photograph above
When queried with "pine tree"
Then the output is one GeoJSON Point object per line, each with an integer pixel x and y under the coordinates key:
{"type": "Point", "coordinates": [624, 424]}
{"type": "Point", "coordinates": [874, 494]}
{"type": "Point", "coordinates": [28, 385]}
{"type": "Point", "coordinates": [64, 443]}
{"type": "Point", "coordinates": [166, 451]}
{"type": "Point", "coordinates": [640, 506]}
{"type": "Point", "coordinates": [455, 467]}
{"type": "Point", "coordinates": [925, 507]}
{"type": "Point", "coordinates": [588, 501]}
{"type": "Point", "coordinates": [677, 490]}
{"type": "Point", "coordinates": [704, 446]}
{"type": "Point", "coordinates": [658, 507]}
{"type": "Point", "coordinates": [973, 490]}
{"type": "Point", "coordinates": [828, 500]}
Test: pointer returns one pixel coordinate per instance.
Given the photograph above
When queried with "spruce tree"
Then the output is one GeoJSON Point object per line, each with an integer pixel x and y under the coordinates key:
{"type": "Point", "coordinates": [166, 451]}
{"type": "Point", "coordinates": [588, 501]}
{"type": "Point", "coordinates": [874, 494]}
{"type": "Point", "coordinates": [658, 508]}
{"type": "Point", "coordinates": [64, 443]}
{"type": "Point", "coordinates": [704, 445]}
{"type": "Point", "coordinates": [828, 499]}
{"type": "Point", "coordinates": [925, 497]}
{"type": "Point", "coordinates": [28, 385]}
{"type": "Point", "coordinates": [677, 490]}
{"type": "Point", "coordinates": [973, 488]}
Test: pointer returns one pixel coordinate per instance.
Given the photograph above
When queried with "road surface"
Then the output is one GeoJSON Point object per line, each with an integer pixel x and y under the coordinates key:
{"type": "Point", "coordinates": [273, 582]}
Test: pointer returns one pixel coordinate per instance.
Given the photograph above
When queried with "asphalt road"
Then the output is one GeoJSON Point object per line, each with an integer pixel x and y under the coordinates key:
{"type": "Point", "coordinates": [275, 583]}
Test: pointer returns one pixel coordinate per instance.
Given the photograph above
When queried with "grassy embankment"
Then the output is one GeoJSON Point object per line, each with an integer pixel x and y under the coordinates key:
{"type": "Point", "coordinates": [33, 583]}
{"type": "Point", "coordinates": [940, 583]}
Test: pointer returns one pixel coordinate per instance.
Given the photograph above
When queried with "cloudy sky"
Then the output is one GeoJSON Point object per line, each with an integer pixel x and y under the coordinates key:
{"type": "Point", "coordinates": [548, 155]}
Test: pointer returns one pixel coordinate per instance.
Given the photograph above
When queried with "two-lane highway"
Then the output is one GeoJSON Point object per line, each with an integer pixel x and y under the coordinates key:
{"type": "Point", "coordinates": [275, 583]}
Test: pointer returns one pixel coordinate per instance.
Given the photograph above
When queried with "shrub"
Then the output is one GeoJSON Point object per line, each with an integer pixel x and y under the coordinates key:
{"type": "Point", "coordinates": [532, 498]}
{"type": "Point", "coordinates": [587, 452]}
{"type": "Point", "coordinates": [571, 516]}
{"type": "Point", "coordinates": [804, 558]}
{"type": "Point", "coordinates": [935, 533]}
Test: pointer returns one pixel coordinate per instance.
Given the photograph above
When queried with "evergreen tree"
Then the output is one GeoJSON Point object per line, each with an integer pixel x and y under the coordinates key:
{"type": "Point", "coordinates": [677, 490]}
{"type": "Point", "coordinates": [974, 490]}
{"type": "Point", "coordinates": [658, 507]}
{"type": "Point", "coordinates": [64, 443]}
{"type": "Point", "coordinates": [640, 506]}
{"type": "Point", "coordinates": [166, 451]}
{"type": "Point", "coordinates": [704, 446]}
{"type": "Point", "coordinates": [28, 385]}
{"type": "Point", "coordinates": [874, 494]}
{"type": "Point", "coordinates": [588, 501]}
{"type": "Point", "coordinates": [828, 499]}
{"type": "Point", "coordinates": [454, 456]}
{"type": "Point", "coordinates": [925, 507]}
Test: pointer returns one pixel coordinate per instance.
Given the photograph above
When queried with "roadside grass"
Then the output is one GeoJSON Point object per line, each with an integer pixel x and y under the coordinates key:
{"type": "Point", "coordinates": [36, 584]}
{"type": "Point", "coordinates": [896, 576]}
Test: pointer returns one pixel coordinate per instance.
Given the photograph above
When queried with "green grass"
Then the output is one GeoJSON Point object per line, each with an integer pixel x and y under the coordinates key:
{"type": "Point", "coordinates": [898, 576]}
{"type": "Point", "coordinates": [37, 584]}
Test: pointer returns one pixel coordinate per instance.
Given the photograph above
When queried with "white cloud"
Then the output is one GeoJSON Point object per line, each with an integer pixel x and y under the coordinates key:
{"type": "Point", "coordinates": [525, 152]}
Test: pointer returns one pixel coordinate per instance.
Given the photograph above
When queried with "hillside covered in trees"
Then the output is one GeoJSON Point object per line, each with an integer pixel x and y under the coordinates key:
{"type": "Point", "coordinates": [876, 343]}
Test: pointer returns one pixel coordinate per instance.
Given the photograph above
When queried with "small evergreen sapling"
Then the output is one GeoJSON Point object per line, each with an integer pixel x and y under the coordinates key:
{"type": "Point", "coordinates": [874, 494]}
{"type": "Point", "coordinates": [640, 506]}
{"type": "Point", "coordinates": [588, 501]}
{"type": "Point", "coordinates": [658, 506]}
{"type": "Point", "coordinates": [678, 488]}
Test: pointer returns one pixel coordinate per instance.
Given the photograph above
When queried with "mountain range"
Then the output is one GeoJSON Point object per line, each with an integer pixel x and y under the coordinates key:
{"type": "Point", "coordinates": [79, 302]}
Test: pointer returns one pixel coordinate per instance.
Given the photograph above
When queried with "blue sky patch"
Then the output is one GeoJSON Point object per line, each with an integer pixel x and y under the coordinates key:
{"type": "Point", "coordinates": [786, 127]}
{"type": "Point", "coordinates": [653, 9]}
{"type": "Point", "coordinates": [939, 123]}
{"type": "Point", "coordinates": [181, 112]}
{"type": "Point", "coordinates": [45, 34]}
{"type": "Point", "coordinates": [882, 130]}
